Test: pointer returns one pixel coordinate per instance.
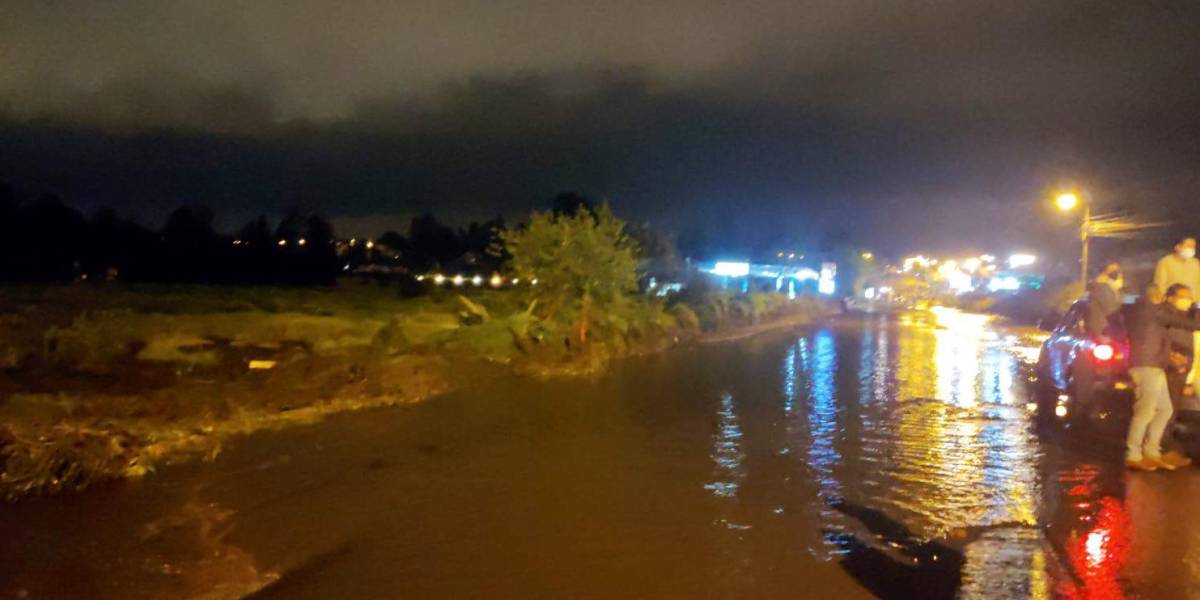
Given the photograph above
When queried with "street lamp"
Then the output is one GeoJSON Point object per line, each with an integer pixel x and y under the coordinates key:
{"type": "Point", "coordinates": [1067, 202]}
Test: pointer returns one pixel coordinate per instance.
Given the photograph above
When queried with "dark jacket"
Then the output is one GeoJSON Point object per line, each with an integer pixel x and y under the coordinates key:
{"type": "Point", "coordinates": [1102, 303]}
{"type": "Point", "coordinates": [1181, 339]}
{"type": "Point", "coordinates": [1149, 340]}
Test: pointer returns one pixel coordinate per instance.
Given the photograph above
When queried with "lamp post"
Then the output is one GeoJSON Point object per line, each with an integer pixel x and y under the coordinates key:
{"type": "Point", "coordinates": [1067, 202]}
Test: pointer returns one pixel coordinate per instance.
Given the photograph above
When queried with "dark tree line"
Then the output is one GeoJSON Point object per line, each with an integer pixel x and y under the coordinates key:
{"type": "Point", "coordinates": [45, 240]}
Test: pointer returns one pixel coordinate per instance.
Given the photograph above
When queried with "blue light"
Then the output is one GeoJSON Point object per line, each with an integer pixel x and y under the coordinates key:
{"type": "Point", "coordinates": [1004, 284]}
{"type": "Point", "coordinates": [826, 284]}
{"type": "Point", "coordinates": [731, 269]}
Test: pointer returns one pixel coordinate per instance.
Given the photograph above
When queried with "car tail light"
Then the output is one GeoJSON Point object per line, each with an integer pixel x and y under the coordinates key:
{"type": "Point", "coordinates": [1103, 352]}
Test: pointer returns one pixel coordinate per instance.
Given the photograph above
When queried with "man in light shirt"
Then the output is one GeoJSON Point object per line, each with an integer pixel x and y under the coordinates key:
{"type": "Point", "coordinates": [1181, 267]}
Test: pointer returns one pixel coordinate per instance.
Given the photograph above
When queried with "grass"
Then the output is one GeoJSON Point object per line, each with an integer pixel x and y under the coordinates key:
{"type": "Point", "coordinates": [102, 382]}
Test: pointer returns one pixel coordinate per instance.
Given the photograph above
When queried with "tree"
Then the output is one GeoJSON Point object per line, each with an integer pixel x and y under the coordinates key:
{"type": "Point", "coordinates": [191, 245]}
{"type": "Point", "coordinates": [478, 241]}
{"type": "Point", "coordinates": [303, 250]}
{"type": "Point", "coordinates": [659, 253]}
{"type": "Point", "coordinates": [319, 260]}
{"type": "Point", "coordinates": [572, 203]}
{"type": "Point", "coordinates": [581, 262]}
{"type": "Point", "coordinates": [116, 244]}
{"type": "Point", "coordinates": [9, 229]}
{"type": "Point", "coordinates": [52, 238]}
{"type": "Point", "coordinates": [431, 243]}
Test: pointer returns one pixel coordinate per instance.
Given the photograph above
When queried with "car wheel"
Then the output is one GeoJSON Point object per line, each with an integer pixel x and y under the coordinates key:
{"type": "Point", "coordinates": [1082, 393]}
{"type": "Point", "coordinates": [1045, 396]}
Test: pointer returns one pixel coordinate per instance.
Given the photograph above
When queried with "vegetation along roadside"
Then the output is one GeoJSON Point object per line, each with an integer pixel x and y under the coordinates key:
{"type": "Point", "coordinates": [106, 381]}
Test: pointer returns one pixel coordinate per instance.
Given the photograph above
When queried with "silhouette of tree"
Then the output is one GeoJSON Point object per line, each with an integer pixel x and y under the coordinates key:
{"type": "Point", "coordinates": [190, 245]}
{"type": "Point", "coordinates": [255, 253]}
{"type": "Point", "coordinates": [695, 243]}
{"type": "Point", "coordinates": [658, 252]}
{"type": "Point", "coordinates": [480, 242]}
{"type": "Point", "coordinates": [319, 261]}
{"type": "Point", "coordinates": [8, 230]}
{"type": "Point", "coordinates": [291, 228]}
{"type": "Point", "coordinates": [119, 247]}
{"type": "Point", "coordinates": [431, 244]}
{"type": "Point", "coordinates": [256, 233]}
{"type": "Point", "coordinates": [394, 241]}
{"type": "Point", "coordinates": [304, 247]}
{"type": "Point", "coordinates": [51, 240]}
{"type": "Point", "coordinates": [8, 203]}
{"type": "Point", "coordinates": [571, 203]}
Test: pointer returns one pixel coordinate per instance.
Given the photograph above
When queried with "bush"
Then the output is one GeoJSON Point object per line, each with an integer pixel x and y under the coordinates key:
{"type": "Point", "coordinates": [68, 457]}
{"type": "Point", "coordinates": [686, 318]}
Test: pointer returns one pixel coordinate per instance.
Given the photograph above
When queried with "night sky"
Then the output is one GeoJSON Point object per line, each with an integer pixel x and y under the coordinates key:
{"type": "Point", "coordinates": [900, 125]}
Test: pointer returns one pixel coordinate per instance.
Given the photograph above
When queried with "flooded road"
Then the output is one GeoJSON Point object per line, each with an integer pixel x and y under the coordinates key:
{"type": "Point", "coordinates": [888, 455]}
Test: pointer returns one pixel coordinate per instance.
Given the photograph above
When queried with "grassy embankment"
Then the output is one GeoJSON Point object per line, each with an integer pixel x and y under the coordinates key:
{"type": "Point", "coordinates": [98, 383]}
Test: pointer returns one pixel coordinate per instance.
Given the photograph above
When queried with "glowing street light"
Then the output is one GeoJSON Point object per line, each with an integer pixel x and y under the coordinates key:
{"type": "Point", "coordinates": [1066, 202]}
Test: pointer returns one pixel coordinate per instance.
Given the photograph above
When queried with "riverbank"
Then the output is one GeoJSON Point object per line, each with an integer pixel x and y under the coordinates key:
{"type": "Point", "coordinates": [103, 383]}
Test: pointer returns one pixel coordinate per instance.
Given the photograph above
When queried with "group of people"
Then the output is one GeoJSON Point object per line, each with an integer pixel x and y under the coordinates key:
{"type": "Point", "coordinates": [1163, 335]}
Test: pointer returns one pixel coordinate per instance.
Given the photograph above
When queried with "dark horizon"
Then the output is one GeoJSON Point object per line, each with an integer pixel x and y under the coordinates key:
{"type": "Point", "coordinates": [870, 121]}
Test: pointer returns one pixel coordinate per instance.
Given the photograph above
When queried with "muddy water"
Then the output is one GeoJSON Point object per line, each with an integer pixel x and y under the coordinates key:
{"type": "Point", "coordinates": [886, 455]}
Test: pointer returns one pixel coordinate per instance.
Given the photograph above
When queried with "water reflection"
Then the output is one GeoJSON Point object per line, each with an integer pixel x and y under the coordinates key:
{"type": "Point", "coordinates": [1098, 556]}
{"type": "Point", "coordinates": [898, 446]}
{"type": "Point", "coordinates": [727, 452]}
{"type": "Point", "coordinates": [933, 435]}
{"type": "Point", "coordinates": [822, 455]}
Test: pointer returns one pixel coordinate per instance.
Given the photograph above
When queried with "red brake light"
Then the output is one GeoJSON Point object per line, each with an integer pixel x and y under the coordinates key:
{"type": "Point", "coordinates": [1103, 352]}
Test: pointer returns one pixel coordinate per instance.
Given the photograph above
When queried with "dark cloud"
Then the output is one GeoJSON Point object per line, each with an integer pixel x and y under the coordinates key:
{"type": "Point", "coordinates": [774, 118]}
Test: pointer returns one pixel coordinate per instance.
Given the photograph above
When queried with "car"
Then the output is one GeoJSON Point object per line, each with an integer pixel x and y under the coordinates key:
{"type": "Point", "coordinates": [1080, 376]}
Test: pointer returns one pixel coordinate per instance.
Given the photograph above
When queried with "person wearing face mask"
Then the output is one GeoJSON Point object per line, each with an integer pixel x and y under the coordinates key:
{"type": "Point", "coordinates": [1181, 267]}
{"type": "Point", "coordinates": [1149, 359]}
{"type": "Point", "coordinates": [1104, 300]}
{"type": "Point", "coordinates": [1181, 347]}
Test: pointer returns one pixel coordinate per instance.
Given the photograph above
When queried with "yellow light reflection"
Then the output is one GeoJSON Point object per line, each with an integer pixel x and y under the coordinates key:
{"type": "Point", "coordinates": [953, 459]}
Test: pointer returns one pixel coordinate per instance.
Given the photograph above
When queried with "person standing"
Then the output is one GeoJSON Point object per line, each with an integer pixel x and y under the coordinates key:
{"type": "Point", "coordinates": [1181, 347]}
{"type": "Point", "coordinates": [1149, 359]}
{"type": "Point", "coordinates": [1181, 267]}
{"type": "Point", "coordinates": [1104, 299]}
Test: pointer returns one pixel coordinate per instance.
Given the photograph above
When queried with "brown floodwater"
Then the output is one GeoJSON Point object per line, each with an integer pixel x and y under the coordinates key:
{"type": "Point", "coordinates": [888, 455]}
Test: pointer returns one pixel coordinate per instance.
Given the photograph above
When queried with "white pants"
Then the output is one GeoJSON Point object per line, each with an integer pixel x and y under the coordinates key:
{"type": "Point", "coordinates": [1151, 413]}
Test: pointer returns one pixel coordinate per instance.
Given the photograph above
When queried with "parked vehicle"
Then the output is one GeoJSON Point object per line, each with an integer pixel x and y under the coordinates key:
{"type": "Point", "coordinates": [1080, 376]}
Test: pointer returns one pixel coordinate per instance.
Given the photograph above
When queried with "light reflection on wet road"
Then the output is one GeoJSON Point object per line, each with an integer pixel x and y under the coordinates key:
{"type": "Point", "coordinates": [889, 453]}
